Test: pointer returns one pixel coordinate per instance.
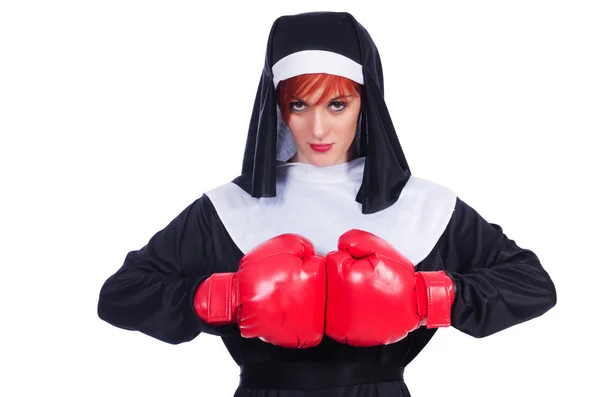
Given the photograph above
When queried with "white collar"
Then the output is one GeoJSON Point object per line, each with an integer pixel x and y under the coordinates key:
{"type": "Point", "coordinates": [351, 170]}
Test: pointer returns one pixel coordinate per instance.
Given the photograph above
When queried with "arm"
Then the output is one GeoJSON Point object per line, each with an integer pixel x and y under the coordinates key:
{"type": "Point", "coordinates": [497, 284]}
{"type": "Point", "coordinates": [153, 291]}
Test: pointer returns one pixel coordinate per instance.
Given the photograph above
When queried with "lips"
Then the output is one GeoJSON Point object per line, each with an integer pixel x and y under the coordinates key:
{"type": "Point", "coordinates": [321, 147]}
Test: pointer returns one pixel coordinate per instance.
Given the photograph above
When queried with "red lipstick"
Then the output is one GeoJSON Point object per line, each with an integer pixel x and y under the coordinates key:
{"type": "Point", "coordinates": [322, 148]}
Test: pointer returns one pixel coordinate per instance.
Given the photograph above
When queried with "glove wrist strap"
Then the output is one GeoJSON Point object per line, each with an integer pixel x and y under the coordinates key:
{"type": "Point", "coordinates": [216, 299]}
{"type": "Point", "coordinates": [435, 295]}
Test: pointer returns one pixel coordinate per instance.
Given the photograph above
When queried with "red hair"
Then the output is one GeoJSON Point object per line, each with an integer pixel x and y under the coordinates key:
{"type": "Point", "coordinates": [307, 84]}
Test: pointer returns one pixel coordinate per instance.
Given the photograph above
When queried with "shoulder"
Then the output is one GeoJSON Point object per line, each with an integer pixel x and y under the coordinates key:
{"type": "Point", "coordinates": [231, 194]}
{"type": "Point", "coordinates": [433, 200]}
{"type": "Point", "coordinates": [425, 187]}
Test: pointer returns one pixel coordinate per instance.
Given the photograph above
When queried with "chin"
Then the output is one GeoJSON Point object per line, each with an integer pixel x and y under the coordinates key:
{"type": "Point", "coordinates": [326, 160]}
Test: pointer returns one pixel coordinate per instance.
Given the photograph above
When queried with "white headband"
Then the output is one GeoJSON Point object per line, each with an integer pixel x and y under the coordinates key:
{"type": "Point", "coordinates": [316, 61]}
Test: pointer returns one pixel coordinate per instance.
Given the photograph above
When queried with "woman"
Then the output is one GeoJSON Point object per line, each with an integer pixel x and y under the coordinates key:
{"type": "Point", "coordinates": [326, 267]}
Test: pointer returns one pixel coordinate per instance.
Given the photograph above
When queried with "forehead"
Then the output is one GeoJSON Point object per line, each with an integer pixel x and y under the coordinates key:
{"type": "Point", "coordinates": [318, 88]}
{"type": "Point", "coordinates": [317, 92]}
{"type": "Point", "coordinates": [321, 97]}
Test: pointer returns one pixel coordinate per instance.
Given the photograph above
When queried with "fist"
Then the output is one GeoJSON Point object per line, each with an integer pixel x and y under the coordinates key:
{"type": "Point", "coordinates": [277, 294]}
{"type": "Point", "coordinates": [371, 292]}
{"type": "Point", "coordinates": [282, 293]}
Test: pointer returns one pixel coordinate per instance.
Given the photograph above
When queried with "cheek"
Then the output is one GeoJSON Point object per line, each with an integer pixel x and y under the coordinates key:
{"type": "Point", "coordinates": [349, 127]}
{"type": "Point", "coordinates": [294, 129]}
{"type": "Point", "coordinates": [297, 126]}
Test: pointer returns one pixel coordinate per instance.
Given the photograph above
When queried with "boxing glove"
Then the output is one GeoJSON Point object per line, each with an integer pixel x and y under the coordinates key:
{"type": "Point", "coordinates": [278, 294]}
{"type": "Point", "coordinates": [374, 295]}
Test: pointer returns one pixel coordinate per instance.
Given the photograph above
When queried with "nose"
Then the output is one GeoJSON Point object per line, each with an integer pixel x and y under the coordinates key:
{"type": "Point", "coordinates": [319, 127]}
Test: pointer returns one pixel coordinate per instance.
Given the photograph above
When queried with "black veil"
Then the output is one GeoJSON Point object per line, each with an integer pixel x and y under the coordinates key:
{"type": "Point", "coordinates": [335, 43]}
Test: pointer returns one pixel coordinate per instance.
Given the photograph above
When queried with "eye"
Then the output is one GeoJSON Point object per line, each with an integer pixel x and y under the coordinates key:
{"type": "Point", "coordinates": [337, 106]}
{"type": "Point", "coordinates": [297, 106]}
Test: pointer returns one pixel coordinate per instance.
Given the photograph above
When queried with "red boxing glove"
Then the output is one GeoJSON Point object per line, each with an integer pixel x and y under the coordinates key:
{"type": "Point", "coordinates": [278, 294]}
{"type": "Point", "coordinates": [374, 295]}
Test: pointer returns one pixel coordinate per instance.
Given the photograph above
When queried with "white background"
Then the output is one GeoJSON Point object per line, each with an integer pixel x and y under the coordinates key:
{"type": "Point", "coordinates": [115, 115]}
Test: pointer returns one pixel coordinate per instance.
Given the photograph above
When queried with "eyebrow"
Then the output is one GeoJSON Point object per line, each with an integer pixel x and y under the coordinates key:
{"type": "Point", "coordinates": [331, 100]}
{"type": "Point", "coordinates": [340, 97]}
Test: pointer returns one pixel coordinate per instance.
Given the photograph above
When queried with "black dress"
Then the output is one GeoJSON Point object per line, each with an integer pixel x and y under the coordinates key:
{"type": "Point", "coordinates": [497, 283]}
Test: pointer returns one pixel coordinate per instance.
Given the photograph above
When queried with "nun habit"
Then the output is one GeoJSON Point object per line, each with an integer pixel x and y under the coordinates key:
{"type": "Point", "coordinates": [497, 283]}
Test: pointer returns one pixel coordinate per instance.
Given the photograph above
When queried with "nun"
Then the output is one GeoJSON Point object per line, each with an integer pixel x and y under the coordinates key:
{"type": "Point", "coordinates": [325, 267]}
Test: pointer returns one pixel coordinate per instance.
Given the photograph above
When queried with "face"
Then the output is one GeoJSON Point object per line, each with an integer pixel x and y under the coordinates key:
{"type": "Point", "coordinates": [324, 133]}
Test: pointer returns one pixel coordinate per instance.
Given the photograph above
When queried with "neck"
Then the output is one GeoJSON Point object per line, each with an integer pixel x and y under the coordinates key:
{"type": "Point", "coordinates": [350, 155]}
{"type": "Point", "coordinates": [351, 170]}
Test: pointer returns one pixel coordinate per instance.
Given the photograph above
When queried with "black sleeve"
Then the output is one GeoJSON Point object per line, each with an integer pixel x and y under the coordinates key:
{"type": "Point", "coordinates": [154, 289]}
{"type": "Point", "coordinates": [497, 283]}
